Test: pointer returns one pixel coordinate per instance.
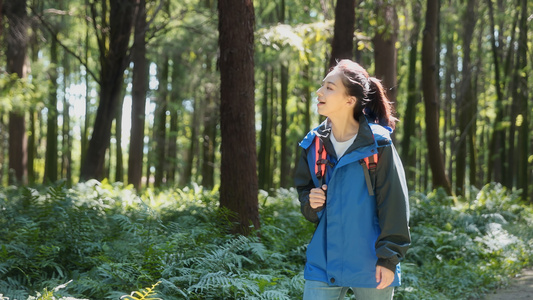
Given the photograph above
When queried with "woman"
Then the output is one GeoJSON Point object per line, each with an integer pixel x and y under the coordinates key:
{"type": "Point", "coordinates": [361, 207]}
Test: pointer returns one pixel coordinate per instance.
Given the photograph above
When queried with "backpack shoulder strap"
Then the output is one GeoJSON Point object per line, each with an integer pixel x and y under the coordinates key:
{"type": "Point", "coordinates": [369, 168]}
{"type": "Point", "coordinates": [320, 159]}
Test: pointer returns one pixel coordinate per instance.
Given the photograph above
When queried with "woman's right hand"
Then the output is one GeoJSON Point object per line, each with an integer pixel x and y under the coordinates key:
{"type": "Point", "coordinates": [317, 197]}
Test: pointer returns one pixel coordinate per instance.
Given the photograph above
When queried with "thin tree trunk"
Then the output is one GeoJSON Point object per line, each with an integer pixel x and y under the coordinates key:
{"type": "Point", "coordinates": [524, 131]}
{"type": "Point", "coordinates": [119, 159]}
{"type": "Point", "coordinates": [209, 137]}
{"type": "Point", "coordinates": [465, 101]}
{"type": "Point", "coordinates": [285, 167]}
{"type": "Point", "coordinates": [160, 121]}
{"type": "Point", "coordinates": [186, 176]}
{"type": "Point", "coordinates": [264, 134]}
{"type": "Point", "coordinates": [113, 63]}
{"type": "Point", "coordinates": [413, 96]}
{"type": "Point", "coordinates": [138, 98]}
{"type": "Point", "coordinates": [497, 148]}
{"type": "Point", "coordinates": [66, 158]}
{"type": "Point", "coordinates": [238, 181]}
{"type": "Point", "coordinates": [429, 83]}
{"type": "Point", "coordinates": [51, 156]}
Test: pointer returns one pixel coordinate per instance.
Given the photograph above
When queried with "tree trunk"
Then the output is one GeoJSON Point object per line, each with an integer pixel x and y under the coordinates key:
{"type": "Point", "coordinates": [186, 176]}
{"type": "Point", "coordinates": [429, 87]}
{"type": "Point", "coordinates": [138, 98]}
{"type": "Point", "coordinates": [113, 63]}
{"type": "Point", "coordinates": [342, 44]}
{"type": "Point", "coordinates": [66, 146]}
{"type": "Point", "coordinates": [160, 121]}
{"type": "Point", "coordinates": [209, 137]}
{"type": "Point", "coordinates": [413, 96]}
{"type": "Point", "coordinates": [497, 147]}
{"type": "Point", "coordinates": [51, 158]}
{"type": "Point", "coordinates": [385, 54]}
{"type": "Point", "coordinates": [238, 178]}
{"type": "Point", "coordinates": [524, 131]}
{"type": "Point", "coordinates": [119, 157]}
{"type": "Point", "coordinates": [465, 100]}
{"type": "Point", "coordinates": [265, 135]}
{"type": "Point", "coordinates": [285, 167]}
{"type": "Point", "coordinates": [17, 44]}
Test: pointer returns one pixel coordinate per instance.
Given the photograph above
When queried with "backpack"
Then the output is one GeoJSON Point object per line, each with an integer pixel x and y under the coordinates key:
{"type": "Point", "coordinates": [369, 165]}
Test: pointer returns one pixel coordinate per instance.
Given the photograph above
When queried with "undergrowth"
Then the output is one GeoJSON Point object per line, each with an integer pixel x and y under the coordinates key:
{"type": "Point", "coordinates": [101, 241]}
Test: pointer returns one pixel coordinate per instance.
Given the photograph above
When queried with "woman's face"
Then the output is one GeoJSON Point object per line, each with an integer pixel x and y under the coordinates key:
{"type": "Point", "coordinates": [333, 98]}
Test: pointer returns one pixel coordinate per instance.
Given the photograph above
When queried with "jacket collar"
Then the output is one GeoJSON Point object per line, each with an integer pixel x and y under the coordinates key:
{"type": "Point", "coordinates": [364, 138]}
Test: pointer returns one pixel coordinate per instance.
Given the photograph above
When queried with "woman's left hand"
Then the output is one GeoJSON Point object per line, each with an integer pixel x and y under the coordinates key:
{"type": "Point", "coordinates": [384, 276]}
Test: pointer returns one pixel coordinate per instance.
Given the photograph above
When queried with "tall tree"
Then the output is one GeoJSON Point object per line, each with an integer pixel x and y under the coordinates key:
{"type": "Point", "coordinates": [138, 97]}
{"type": "Point", "coordinates": [385, 53]}
{"type": "Point", "coordinates": [17, 44]}
{"type": "Point", "coordinates": [466, 99]}
{"type": "Point", "coordinates": [431, 99]}
{"type": "Point", "coordinates": [113, 46]}
{"type": "Point", "coordinates": [160, 120]}
{"type": "Point", "coordinates": [343, 31]}
{"type": "Point", "coordinates": [284, 180]}
{"type": "Point", "coordinates": [524, 129]}
{"type": "Point", "coordinates": [210, 122]}
{"type": "Point", "coordinates": [496, 146]}
{"type": "Point", "coordinates": [50, 165]}
{"type": "Point", "coordinates": [413, 94]}
{"type": "Point", "coordinates": [238, 178]}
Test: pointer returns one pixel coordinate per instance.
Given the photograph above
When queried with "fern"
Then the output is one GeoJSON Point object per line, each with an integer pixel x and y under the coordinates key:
{"type": "Point", "coordinates": [145, 294]}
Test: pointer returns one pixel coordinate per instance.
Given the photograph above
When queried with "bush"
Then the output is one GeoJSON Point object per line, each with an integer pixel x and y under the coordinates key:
{"type": "Point", "coordinates": [103, 241]}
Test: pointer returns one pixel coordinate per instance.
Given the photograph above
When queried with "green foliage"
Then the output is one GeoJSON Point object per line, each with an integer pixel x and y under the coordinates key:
{"type": "Point", "coordinates": [105, 241]}
{"type": "Point", "coordinates": [146, 294]}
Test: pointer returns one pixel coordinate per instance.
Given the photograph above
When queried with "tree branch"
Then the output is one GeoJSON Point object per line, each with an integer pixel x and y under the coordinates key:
{"type": "Point", "coordinates": [54, 36]}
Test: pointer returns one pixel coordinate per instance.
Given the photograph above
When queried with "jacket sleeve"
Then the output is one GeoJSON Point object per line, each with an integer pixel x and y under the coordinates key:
{"type": "Point", "coordinates": [304, 183]}
{"type": "Point", "coordinates": [392, 201]}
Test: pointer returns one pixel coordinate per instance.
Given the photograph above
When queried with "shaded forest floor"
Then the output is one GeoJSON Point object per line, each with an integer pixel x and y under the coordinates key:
{"type": "Point", "coordinates": [520, 287]}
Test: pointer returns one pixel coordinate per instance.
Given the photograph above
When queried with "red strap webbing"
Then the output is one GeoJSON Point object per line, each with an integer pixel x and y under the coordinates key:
{"type": "Point", "coordinates": [369, 163]}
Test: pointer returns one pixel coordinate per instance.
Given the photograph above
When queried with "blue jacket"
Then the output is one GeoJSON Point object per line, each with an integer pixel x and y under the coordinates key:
{"type": "Point", "coordinates": [355, 231]}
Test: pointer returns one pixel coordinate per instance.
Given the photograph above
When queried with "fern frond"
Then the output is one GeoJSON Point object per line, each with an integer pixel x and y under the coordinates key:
{"type": "Point", "coordinates": [145, 294]}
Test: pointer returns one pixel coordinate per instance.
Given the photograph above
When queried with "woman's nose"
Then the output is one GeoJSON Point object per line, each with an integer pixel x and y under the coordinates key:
{"type": "Point", "coordinates": [319, 91]}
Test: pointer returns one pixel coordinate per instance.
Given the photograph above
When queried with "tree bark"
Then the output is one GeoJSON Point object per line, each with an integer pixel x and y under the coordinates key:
{"type": "Point", "coordinates": [209, 137]}
{"type": "Point", "coordinates": [429, 87]}
{"type": "Point", "coordinates": [160, 121]}
{"type": "Point", "coordinates": [342, 44]}
{"type": "Point", "coordinates": [285, 167]}
{"type": "Point", "coordinates": [385, 54]}
{"type": "Point", "coordinates": [138, 98]}
{"type": "Point", "coordinates": [113, 62]}
{"type": "Point", "coordinates": [413, 95]}
{"type": "Point", "coordinates": [265, 134]}
{"type": "Point", "coordinates": [523, 132]}
{"type": "Point", "coordinates": [466, 99]}
{"type": "Point", "coordinates": [17, 45]}
{"type": "Point", "coordinates": [238, 182]}
{"type": "Point", "coordinates": [496, 146]}
{"type": "Point", "coordinates": [51, 156]}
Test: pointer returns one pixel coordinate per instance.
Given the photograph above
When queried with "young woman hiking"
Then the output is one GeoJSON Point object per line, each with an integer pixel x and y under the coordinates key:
{"type": "Point", "coordinates": [358, 199]}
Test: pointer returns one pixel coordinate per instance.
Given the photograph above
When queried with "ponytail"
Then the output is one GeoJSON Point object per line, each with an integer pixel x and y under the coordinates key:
{"type": "Point", "coordinates": [370, 93]}
{"type": "Point", "coordinates": [377, 107]}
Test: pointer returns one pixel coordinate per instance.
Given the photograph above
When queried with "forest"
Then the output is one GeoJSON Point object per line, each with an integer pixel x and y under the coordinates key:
{"type": "Point", "coordinates": [130, 129]}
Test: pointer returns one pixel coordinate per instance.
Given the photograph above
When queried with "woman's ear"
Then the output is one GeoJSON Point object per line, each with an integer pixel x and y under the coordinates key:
{"type": "Point", "coordinates": [352, 100]}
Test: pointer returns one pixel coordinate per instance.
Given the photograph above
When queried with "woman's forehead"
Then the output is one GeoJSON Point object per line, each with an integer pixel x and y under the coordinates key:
{"type": "Point", "coordinates": [332, 77]}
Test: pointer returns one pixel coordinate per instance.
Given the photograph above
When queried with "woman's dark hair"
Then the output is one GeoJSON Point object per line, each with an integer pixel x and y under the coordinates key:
{"type": "Point", "coordinates": [370, 93]}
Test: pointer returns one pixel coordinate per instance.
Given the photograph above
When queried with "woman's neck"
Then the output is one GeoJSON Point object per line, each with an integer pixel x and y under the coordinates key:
{"type": "Point", "coordinates": [344, 128]}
